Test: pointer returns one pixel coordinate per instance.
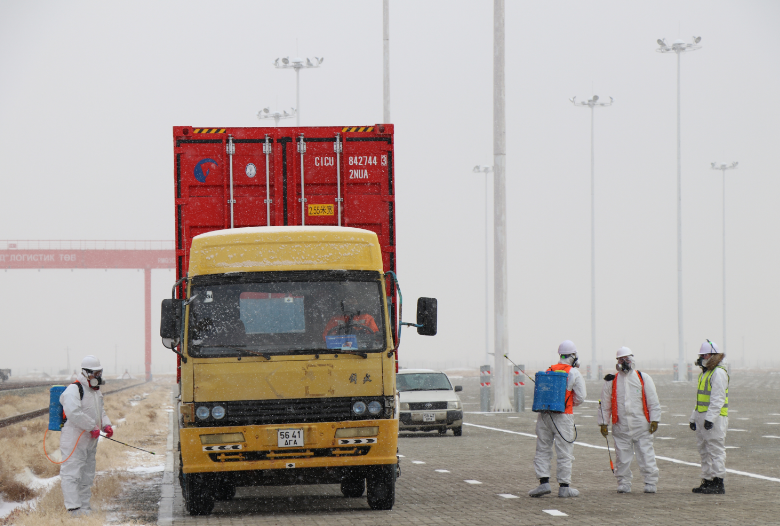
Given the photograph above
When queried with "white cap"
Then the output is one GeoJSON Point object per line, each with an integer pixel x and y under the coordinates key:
{"type": "Point", "coordinates": [92, 363]}
{"type": "Point", "coordinates": [709, 347]}
{"type": "Point", "coordinates": [623, 351]}
{"type": "Point", "coordinates": [567, 347]}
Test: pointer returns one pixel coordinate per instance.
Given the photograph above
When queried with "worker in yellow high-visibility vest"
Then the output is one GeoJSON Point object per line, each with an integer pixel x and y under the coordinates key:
{"type": "Point", "coordinates": [710, 418]}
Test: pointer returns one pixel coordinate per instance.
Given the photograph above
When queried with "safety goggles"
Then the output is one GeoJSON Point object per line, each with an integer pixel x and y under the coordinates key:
{"type": "Point", "coordinates": [96, 374]}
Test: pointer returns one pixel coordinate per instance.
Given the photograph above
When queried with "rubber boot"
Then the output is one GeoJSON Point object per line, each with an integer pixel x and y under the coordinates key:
{"type": "Point", "coordinates": [566, 491]}
{"type": "Point", "coordinates": [704, 485]}
{"type": "Point", "coordinates": [716, 487]}
{"type": "Point", "coordinates": [542, 489]}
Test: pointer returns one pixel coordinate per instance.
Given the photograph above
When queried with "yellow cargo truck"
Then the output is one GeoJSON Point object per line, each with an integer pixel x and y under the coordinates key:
{"type": "Point", "coordinates": [287, 363]}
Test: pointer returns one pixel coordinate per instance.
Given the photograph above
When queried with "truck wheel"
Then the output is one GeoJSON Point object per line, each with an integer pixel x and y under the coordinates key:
{"type": "Point", "coordinates": [226, 492]}
{"type": "Point", "coordinates": [195, 498]}
{"type": "Point", "coordinates": [381, 487]}
{"type": "Point", "coordinates": [353, 488]}
{"type": "Point", "coordinates": [457, 431]}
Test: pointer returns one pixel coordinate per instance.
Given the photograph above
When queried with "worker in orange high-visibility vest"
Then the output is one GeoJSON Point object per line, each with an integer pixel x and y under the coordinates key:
{"type": "Point", "coordinates": [631, 405]}
{"type": "Point", "coordinates": [558, 429]}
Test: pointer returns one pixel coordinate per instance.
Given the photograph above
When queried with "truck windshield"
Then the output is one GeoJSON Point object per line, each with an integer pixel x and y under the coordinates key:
{"type": "Point", "coordinates": [285, 317]}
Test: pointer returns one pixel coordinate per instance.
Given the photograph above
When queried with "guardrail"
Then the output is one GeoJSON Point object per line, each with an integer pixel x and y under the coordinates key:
{"type": "Point", "coordinates": [40, 412]}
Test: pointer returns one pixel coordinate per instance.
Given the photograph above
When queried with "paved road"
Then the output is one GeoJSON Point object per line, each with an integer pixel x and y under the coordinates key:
{"type": "Point", "coordinates": [495, 454]}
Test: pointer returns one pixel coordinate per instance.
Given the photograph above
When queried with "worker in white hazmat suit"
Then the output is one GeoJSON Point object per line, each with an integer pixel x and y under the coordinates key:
{"type": "Point", "coordinates": [558, 429]}
{"type": "Point", "coordinates": [82, 403]}
{"type": "Point", "coordinates": [630, 403]}
{"type": "Point", "coordinates": [710, 418]}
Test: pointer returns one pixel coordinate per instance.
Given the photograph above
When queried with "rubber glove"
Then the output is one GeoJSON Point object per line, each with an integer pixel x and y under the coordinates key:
{"type": "Point", "coordinates": [653, 427]}
{"type": "Point", "coordinates": [707, 425]}
{"type": "Point", "coordinates": [109, 431]}
{"type": "Point", "coordinates": [94, 433]}
{"type": "Point", "coordinates": [604, 430]}
{"type": "Point", "coordinates": [693, 426]}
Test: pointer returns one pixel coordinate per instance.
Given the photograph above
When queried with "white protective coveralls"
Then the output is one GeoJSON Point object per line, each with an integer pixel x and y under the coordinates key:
{"type": "Point", "coordinates": [78, 472]}
{"type": "Point", "coordinates": [632, 431]}
{"type": "Point", "coordinates": [547, 435]}
{"type": "Point", "coordinates": [712, 443]}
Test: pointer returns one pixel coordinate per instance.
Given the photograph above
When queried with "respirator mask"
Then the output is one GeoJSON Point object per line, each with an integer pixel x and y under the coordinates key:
{"type": "Point", "coordinates": [702, 361]}
{"type": "Point", "coordinates": [97, 378]}
{"type": "Point", "coordinates": [571, 359]}
{"type": "Point", "coordinates": [624, 364]}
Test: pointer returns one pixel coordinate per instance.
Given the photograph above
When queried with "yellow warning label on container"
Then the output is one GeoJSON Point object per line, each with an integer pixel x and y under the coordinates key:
{"type": "Point", "coordinates": [357, 129]}
{"type": "Point", "coordinates": [320, 210]}
{"type": "Point", "coordinates": [208, 130]}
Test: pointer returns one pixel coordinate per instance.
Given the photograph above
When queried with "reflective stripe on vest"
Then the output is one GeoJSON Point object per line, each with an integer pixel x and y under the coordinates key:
{"type": "Point", "coordinates": [705, 390]}
{"type": "Point", "coordinates": [569, 394]}
{"type": "Point", "coordinates": [614, 398]}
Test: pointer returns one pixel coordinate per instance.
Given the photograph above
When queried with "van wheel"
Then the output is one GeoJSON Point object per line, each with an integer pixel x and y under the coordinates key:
{"type": "Point", "coordinates": [197, 501]}
{"type": "Point", "coordinates": [353, 488]}
{"type": "Point", "coordinates": [457, 431]}
{"type": "Point", "coordinates": [443, 431]}
{"type": "Point", "coordinates": [381, 487]}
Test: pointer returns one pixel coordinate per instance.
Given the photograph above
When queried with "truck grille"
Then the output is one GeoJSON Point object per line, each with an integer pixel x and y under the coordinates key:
{"type": "Point", "coordinates": [422, 406]}
{"type": "Point", "coordinates": [292, 411]}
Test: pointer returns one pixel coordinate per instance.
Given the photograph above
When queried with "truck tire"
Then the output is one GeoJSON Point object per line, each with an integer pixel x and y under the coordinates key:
{"type": "Point", "coordinates": [457, 431]}
{"type": "Point", "coordinates": [196, 500]}
{"type": "Point", "coordinates": [224, 492]}
{"type": "Point", "coordinates": [353, 488]}
{"type": "Point", "coordinates": [380, 484]}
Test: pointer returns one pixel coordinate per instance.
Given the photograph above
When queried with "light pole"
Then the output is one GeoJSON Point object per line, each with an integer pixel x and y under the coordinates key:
{"type": "Point", "coordinates": [486, 170]}
{"type": "Point", "coordinates": [592, 103]}
{"type": "Point", "coordinates": [298, 64]}
{"type": "Point", "coordinates": [679, 47]}
{"type": "Point", "coordinates": [386, 61]}
{"type": "Point", "coordinates": [723, 167]}
{"type": "Point", "coordinates": [266, 113]}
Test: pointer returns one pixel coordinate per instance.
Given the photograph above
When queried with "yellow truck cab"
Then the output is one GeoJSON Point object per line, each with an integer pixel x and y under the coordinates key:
{"type": "Point", "coordinates": [287, 363]}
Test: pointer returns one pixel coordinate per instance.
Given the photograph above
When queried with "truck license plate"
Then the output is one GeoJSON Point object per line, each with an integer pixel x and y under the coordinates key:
{"type": "Point", "coordinates": [429, 417]}
{"type": "Point", "coordinates": [290, 438]}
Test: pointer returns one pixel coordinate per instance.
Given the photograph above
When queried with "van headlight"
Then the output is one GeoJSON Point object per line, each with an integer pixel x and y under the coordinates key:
{"type": "Point", "coordinates": [202, 412]}
{"type": "Point", "coordinates": [404, 406]}
{"type": "Point", "coordinates": [453, 405]}
{"type": "Point", "coordinates": [218, 412]}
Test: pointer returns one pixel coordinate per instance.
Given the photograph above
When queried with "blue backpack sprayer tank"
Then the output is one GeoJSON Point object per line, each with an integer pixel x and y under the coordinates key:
{"type": "Point", "coordinates": [550, 396]}
{"type": "Point", "coordinates": [56, 419]}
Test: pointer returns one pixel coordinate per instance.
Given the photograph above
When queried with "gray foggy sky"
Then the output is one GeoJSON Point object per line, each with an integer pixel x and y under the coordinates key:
{"type": "Point", "coordinates": [90, 91]}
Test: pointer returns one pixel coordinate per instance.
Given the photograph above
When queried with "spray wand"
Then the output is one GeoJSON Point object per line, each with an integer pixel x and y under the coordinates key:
{"type": "Point", "coordinates": [128, 445]}
{"type": "Point", "coordinates": [513, 363]}
{"type": "Point", "coordinates": [611, 466]}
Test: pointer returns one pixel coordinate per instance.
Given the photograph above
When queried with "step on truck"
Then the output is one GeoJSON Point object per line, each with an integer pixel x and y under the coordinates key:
{"type": "Point", "coordinates": [286, 312]}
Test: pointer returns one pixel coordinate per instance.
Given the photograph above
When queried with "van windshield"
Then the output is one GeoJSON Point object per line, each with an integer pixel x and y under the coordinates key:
{"type": "Point", "coordinates": [285, 317]}
{"type": "Point", "coordinates": [423, 382]}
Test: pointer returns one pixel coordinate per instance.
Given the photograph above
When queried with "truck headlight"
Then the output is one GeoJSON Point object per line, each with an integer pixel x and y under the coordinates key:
{"type": "Point", "coordinates": [453, 405]}
{"type": "Point", "coordinates": [359, 408]}
{"type": "Point", "coordinates": [218, 412]}
{"type": "Point", "coordinates": [374, 407]}
{"type": "Point", "coordinates": [202, 412]}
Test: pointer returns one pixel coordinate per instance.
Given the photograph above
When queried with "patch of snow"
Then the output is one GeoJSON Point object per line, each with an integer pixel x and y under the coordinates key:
{"type": "Point", "coordinates": [147, 469]}
{"type": "Point", "coordinates": [29, 479]}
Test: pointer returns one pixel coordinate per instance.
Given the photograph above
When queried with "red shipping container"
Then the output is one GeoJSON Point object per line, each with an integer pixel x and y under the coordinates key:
{"type": "Point", "coordinates": [240, 177]}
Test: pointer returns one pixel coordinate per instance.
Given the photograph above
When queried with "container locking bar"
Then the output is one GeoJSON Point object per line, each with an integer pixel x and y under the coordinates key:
{"type": "Point", "coordinates": [231, 150]}
{"type": "Point", "coordinates": [337, 148]}
{"type": "Point", "coordinates": [302, 199]}
{"type": "Point", "coordinates": [267, 152]}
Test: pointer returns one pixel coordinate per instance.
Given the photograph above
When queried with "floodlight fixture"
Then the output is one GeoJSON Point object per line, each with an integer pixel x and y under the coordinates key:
{"type": "Point", "coordinates": [298, 64]}
{"type": "Point", "coordinates": [266, 113]}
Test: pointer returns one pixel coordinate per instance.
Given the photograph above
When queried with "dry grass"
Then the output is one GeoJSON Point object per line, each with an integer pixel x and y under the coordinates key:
{"type": "Point", "coordinates": [11, 405]}
{"type": "Point", "coordinates": [145, 425]}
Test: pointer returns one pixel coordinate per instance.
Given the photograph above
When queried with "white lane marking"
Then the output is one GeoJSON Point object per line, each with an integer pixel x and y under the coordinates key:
{"type": "Point", "coordinates": [665, 438]}
{"type": "Point", "coordinates": [472, 482]}
{"type": "Point", "coordinates": [417, 462]}
{"type": "Point", "coordinates": [773, 423]}
{"type": "Point", "coordinates": [668, 459]}
{"type": "Point", "coordinates": [442, 471]}
{"type": "Point", "coordinates": [591, 401]}
{"type": "Point", "coordinates": [508, 496]}
{"type": "Point", "coordinates": [732, 447]}
{"type": "Point", "coordinates": [672, 415]}
{"type": "Point", "coordinates": [587, 416]}
{"type": "Point", "coordinates": [681, 424]}
{"type": "Point", "coordinates": [743, 418]}
{"type": "Point", "coordinates": [739, 430]}
{"type": "Point", "coordinates": [769, 436]}
{"type": "Point", "coordinates": [555, 513]}
{"type": "Point", "coordinates": [774, 414]}
{"type": "Point", "coordinates": [513, 417]}
{"type": "Point", "coordinates": [664, 424]}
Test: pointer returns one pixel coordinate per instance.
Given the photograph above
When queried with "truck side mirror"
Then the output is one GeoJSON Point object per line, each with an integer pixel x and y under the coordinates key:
{"type": "Point", "coordinates": [170, 322]}
{"type": "Point", "coordinates": [426, 316]}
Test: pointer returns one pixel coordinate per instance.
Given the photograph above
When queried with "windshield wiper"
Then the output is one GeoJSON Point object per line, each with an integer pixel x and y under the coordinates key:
{"type": "Point", "coordinates": [330, 351]}
{"type": "Point", "coordinates": [253, 353]}
{"type": "Point", "coordinates": [426, 389]}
